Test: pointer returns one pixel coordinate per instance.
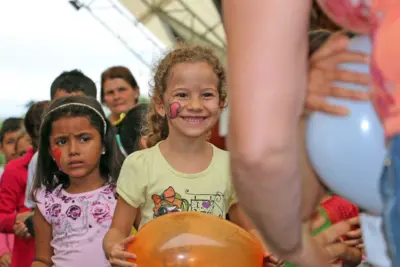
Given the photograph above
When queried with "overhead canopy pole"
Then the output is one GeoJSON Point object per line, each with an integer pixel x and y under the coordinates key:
{"type": "Point", "coordinates": [114, 17]}
{"type": "Point", "coordinates": [191, 21]}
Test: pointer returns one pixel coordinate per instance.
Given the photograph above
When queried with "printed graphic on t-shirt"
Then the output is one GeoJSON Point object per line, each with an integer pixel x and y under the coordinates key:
{"type": "Point", "coordinates": [81, 216]}
{"type": "Point", "coordinates": [171, 201]}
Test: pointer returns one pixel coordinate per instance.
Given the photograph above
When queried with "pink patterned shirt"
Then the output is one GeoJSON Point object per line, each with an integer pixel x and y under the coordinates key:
{"type": "Point", "coordinates": [79, 222]}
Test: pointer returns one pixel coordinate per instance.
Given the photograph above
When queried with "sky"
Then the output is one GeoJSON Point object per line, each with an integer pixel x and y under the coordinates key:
{"type": "Point", "coordinates": [40, 39]}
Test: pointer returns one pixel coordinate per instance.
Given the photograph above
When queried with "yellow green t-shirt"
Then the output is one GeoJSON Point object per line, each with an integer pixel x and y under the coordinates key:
{"type": "Point", "coordinates": [147, 181]}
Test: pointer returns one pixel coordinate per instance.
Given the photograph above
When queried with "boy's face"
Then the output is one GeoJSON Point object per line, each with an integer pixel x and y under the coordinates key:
{"type": "Point", "coordinates": [8, 145]}
{"type": "Point", "coordinates": [61, 93]}
{"type": "Point", "coordinates": [22, 146]}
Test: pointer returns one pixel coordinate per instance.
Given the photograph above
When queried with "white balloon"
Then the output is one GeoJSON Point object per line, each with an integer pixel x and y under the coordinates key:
{"type": "Point", "coordinates": [348, 152]}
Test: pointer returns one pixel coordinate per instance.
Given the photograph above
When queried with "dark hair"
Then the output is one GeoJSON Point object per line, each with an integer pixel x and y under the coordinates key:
{"type": "Point", "coordinates": [33, 119]}
{"type": "Point", "coordinates": [10, 125]}
{"type": "Point", "coordinates": [157, 126]}
{"type": "Point", "coordinates": [110, 162]}
{"type": "Point", "coordinates": [73, 81]}
{"type": "Point", "coordinates": [115, 73]}
{"type": "Point", "coordinates": [130, 129]}
{"type": "Point", "coordinates": [316, 40]}
{"type": "Point", "coordinates": [319, 20]}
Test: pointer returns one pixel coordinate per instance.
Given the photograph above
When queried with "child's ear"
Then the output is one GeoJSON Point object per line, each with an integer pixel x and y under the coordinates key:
{"type": "Point", "coordinates": [159, 106]}
{"type": "Point", "coordinates": [222, 104]}
{"type": "Point", "coordinates": [143, 142]}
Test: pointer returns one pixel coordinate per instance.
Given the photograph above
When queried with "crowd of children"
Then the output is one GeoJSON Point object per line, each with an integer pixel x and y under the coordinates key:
{"type": "Point", "coordinates": [76, 182]}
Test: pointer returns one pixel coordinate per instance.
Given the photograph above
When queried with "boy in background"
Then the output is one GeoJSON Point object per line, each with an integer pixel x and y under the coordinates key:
{"type": "Point", "coordinates": [9, 133]}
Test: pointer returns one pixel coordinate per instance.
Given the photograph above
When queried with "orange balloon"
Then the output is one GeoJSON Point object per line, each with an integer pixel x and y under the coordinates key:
{"type": "Point", "coordinates": [194, 239]}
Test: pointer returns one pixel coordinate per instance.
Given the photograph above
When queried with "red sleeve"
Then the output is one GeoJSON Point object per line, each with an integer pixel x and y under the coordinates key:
{"type": "Point", "coordinates": [9, 192]}
{"type": "Point", "coordinates": [340, 209]}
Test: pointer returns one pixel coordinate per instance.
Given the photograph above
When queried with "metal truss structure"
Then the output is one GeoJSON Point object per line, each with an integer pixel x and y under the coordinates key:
{"type": "Point", "coordinates": [125, 27]}
{"type": "Point", "coordinates": [191, 21]}
{"type": "Point", "coordinates": [163, 23]}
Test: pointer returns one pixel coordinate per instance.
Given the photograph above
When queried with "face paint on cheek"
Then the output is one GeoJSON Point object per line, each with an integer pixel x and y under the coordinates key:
{"type": "Point", "coordinates": [57, 156]}
{"type": "Point", "coordinates": [174, 110]}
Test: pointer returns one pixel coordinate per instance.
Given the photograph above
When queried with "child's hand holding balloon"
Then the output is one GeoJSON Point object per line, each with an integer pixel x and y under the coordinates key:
{"type": "Point", "coordinates": [272, 261]}
{"type": "Point", "coordinates": [119, 255]}
{"type": "Point", "coordinates": [329, 240]}
{"type": "Point", "coordinates": [269, 259]}
{"type": "Point", "coordinates": [354, 237]}
{"type": "Point", "coordinates": [334, 245]}
{"type": "Point", "coordinates": [324, 72]}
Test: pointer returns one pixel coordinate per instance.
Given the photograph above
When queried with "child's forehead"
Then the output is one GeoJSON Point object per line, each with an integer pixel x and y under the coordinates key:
{"type": "Point", "coordinates": [64, 93]}
{"type": "Point", "coordinates": [72, 124]}
{"type": "Point", "coordinates": [11, 135]}
{"type": "Point", "coordinates": [192, 73]}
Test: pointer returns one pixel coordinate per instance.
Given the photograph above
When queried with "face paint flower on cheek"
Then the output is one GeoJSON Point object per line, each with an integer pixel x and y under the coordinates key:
{"type": "Point", "coordinates": [174, 110]}
{"type": "Point", "coordinates": [57, 156]}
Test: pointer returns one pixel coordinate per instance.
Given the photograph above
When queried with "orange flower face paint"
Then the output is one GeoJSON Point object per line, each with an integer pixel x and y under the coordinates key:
{"type": "Point", "coordinates": [57, 156]}
{"type": "Point", "coordinates": [174, 110]}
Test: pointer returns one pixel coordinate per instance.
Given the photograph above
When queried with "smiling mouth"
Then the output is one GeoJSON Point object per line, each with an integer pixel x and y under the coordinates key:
{"type": "Point", "coordinates": [194, 120]}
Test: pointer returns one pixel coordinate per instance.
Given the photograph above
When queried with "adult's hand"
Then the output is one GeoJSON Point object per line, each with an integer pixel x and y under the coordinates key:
{"type": "Point", "coordinates": [324, 72]}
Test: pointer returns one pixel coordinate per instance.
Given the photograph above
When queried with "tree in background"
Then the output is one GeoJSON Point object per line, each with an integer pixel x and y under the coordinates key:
{"type": "Point", "coordinates": [143, 100]}
{"type": "Point", "coordinates": [29, 104]}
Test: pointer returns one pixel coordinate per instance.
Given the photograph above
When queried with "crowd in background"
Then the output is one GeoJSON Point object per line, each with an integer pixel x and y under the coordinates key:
{"type": "Point", "coordinates": [78, 183]}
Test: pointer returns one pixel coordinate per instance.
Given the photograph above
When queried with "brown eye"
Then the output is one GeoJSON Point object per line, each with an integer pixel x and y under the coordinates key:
{"type": "Point", "coordinates": [84, 139]}
{"type": "Point", "coordinates": [181, 95]}
{"type": "Point", "coordinates": [208, 95]}
{"type": "Point", "coordinates": [61, 141]}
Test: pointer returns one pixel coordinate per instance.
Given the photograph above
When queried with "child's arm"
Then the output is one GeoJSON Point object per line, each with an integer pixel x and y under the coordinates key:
{"type": "Point", "coordinates": [10, 190]}
{"type": "Point", "coordinates": [43, 237]}
{"type": "Point", "coordinates": [124, 217]}
{"type": "Point", "coordinates": [131, 186]}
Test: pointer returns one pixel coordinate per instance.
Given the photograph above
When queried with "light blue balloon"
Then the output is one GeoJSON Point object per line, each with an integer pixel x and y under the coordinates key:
{"type": "Point", "coordinates": [348, 152]}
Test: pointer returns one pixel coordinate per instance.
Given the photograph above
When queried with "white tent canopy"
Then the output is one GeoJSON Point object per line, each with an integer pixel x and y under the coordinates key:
{"type": "Point", "coordinates": [193, 21]}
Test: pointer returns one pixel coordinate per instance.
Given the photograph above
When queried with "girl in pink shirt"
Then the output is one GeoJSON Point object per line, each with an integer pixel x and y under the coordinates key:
{"type": "Point", "coordinates": [78, 164]}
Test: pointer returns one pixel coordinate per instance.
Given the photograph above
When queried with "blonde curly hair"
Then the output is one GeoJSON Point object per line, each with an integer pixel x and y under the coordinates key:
{"type": "Point", "coordinates": [156, 128]}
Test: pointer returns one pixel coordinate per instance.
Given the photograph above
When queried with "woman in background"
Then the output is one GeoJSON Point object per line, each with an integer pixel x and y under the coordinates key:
{"type": "Point", "coordinates": [119, 91]}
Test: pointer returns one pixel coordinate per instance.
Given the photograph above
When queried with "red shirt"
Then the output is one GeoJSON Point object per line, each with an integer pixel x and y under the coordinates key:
{"type": "Point", "coordinates": [216, 139]}
{"type": "Point", "coordinates": [12, 197]}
